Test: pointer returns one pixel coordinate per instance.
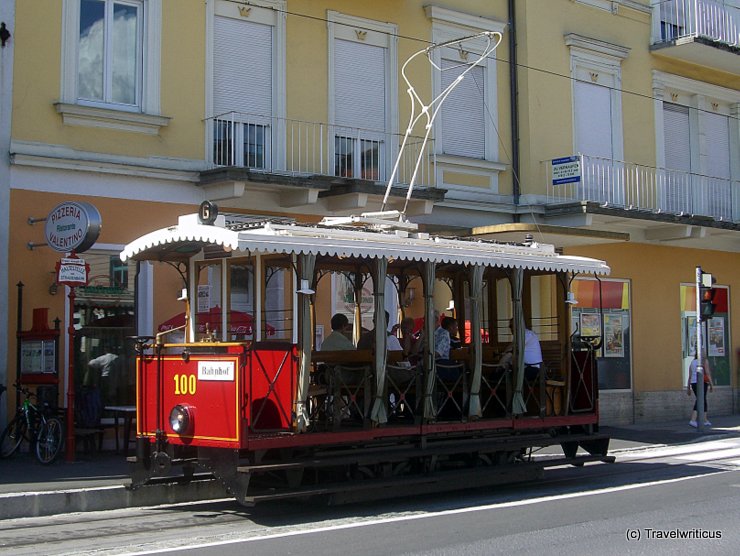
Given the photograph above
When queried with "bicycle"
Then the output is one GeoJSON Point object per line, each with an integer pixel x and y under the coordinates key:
{"type": "Point", "coordinates": [43, 431]}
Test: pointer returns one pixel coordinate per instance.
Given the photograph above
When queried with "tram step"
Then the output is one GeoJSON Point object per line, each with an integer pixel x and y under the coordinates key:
{"type": "Point", "coordinates": [396, 453]}
{"type": "Point", "coordinates": [439, 481]}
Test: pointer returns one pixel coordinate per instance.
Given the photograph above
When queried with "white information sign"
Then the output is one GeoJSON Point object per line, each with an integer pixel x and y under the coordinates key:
{"type": "Point", "coordinates": [216, 370]}
{"type": "Point", "coordinates": [566, 170]}
{"type": "Point", "coordinates": [72, 272]}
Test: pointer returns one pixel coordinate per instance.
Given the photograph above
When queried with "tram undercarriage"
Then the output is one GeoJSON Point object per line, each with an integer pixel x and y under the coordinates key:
{"type": "Point", "coordinates": [384, 469]}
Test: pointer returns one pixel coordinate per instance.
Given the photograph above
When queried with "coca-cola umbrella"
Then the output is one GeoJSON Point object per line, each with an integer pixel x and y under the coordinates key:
{"type": "Point", "coordinates": [239, 322]}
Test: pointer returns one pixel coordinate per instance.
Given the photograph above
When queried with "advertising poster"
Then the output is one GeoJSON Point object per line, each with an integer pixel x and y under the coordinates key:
{"type": "Point", "coordinates": [204, 298]}
{"type": "Point", "coordinates": [590, 324]}
{"type": "Point", "coordinates": [319, 337]}
{"type": "Point", "coordinates": [344, 299]}
{"type": "Point", "coordinates": [690, 337]}
{"type": "Point", "coordinates": [716, 337]}
{"type": "Point", "coordinates": [613, 336]}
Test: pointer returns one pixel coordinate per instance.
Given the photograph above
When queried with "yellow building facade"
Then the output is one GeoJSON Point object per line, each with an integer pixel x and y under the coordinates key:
{"type": "Point", "coordinates": [296, 108]}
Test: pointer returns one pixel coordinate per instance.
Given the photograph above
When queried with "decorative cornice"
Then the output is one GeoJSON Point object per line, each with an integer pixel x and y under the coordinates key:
{"type": "Point", "coordinates": [589, 44]}
{"type": "Point", "coordinates": [669, 80]}
{"type": "Point", "coordinates": [58, 157]}
{"type": "Point", "coordinates": [76, 114]}
{"type": "Point", "coordinates": [443, 15]}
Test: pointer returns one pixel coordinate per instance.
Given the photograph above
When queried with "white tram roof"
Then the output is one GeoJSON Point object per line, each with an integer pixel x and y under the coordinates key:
{"type": "Point", "coordinates": [188, 237]}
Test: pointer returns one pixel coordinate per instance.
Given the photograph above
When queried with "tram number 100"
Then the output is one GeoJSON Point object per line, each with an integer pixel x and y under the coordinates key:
{"type": "Point", "coordinates": [185, 384]}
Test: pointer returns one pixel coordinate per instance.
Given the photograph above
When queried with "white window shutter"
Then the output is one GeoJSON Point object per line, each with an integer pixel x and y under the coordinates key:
{"type": "Point", "coordinates": [676, 187]}
{"type": "Point", "coordinates": [593, 120]}
{"type": "Point", "coordinates": [463, 112]}
{"type": "Point", "coordinates": [677, 137]}
{"type": "Point", "coordinates": [243, 67]}
{"type": "Point", "coordinates": [718, 145]}
{"type": "Point", "coordinates": [359, 85]}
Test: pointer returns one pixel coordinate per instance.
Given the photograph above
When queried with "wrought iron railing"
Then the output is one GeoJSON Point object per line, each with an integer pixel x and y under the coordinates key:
{"type": "Point", "coordinates": [717, 20]}
{"type": "Point", "coordinates": [302, 148]}
{"type": "Point", "coordinates": [634, 186]}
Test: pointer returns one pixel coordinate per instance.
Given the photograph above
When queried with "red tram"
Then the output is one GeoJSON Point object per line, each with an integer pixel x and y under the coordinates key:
{"type": "Point", "coordinates": [272, 416]}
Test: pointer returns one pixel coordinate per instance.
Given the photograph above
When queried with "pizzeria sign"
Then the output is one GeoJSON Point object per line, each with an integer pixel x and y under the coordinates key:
{"type": "Point", "coordinates": [73, 226]}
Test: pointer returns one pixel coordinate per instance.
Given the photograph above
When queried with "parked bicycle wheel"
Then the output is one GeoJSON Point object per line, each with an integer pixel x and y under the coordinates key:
{"type": "Point", "coordinates": [49, 441]}
{"type": "Point", "coordinates": [12, 437]}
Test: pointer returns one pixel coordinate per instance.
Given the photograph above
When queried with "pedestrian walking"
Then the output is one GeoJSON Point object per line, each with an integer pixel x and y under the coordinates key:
{"type": "Point", "coordinates": [691, 385]}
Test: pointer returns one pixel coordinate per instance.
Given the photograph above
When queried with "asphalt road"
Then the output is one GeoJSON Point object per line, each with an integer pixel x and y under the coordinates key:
{"type": "Point", "coordinates": [683, 499]}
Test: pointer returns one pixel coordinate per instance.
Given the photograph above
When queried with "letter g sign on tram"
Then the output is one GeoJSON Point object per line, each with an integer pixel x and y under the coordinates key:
{"type": "Point", "coordinates": [207, 213]}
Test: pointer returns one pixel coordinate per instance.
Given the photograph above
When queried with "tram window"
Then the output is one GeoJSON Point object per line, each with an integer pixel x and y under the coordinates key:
{"type": "Point", "coordinates": [240, 318]}
{"type": "Point", "coordinates": [504, 311]}
{"type": "Point", "coordinates": [544, 306]}
{"type": "Point", "coordinates": [278, 303]}
{"type": "Point", "coordinates": [208, 312]}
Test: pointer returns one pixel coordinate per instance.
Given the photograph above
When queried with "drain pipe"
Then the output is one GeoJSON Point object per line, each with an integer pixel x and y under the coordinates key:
{"type": "Point", "coordinates": [514, 100]}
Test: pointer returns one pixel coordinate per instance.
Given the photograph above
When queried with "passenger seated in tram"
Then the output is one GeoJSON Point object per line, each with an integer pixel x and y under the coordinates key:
{"type": "Point", "coordinates": [532, 353]}
{"type": "Point", "coordinates": [443, 335]}
{"type": "Point", "coordinates": [367, 340]}
{"type": "Point", "coordinates": [411, 344]}
{"type": "Point", "coordinates": [339, 339]}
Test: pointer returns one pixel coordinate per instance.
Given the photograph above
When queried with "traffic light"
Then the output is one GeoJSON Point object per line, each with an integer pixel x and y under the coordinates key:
{"type": "Point", "coordinates": [706, 297]}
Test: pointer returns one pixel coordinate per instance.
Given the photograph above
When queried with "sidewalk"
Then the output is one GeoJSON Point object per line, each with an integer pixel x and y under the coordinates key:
{"type": "Point", "coordinates": [98, 482]}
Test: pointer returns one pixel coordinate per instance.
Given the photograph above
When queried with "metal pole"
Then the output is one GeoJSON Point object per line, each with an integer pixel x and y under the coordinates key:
{"type": "Point", "coordinates": [70, 453]}
{"type": "Point", "coordinates": [699, 356]}
{"type": "Point", "coordinates": [18, 330]}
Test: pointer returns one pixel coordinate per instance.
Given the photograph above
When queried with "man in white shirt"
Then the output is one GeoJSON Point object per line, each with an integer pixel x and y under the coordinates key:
{"type": "Point", "coordinates": [532, 352]}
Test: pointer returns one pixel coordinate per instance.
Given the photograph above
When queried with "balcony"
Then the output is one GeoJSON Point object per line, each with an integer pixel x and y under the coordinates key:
{"type": "Point", "coordinates": [318, 167]}
{"type": "Point", "coordinates": [704, 32]}
{"type": "Point", "coordinates": [628, 186]}
{"type": "Point", "coordinates": [301, 149]}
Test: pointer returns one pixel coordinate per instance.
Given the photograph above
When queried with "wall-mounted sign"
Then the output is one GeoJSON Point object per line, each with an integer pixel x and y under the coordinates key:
{"type": "Point", "coordinates": [72, 272]}
{"type": "Point", "coordinates": [566, 170]}
{"type": "Point", "coordinates": [72, 226]}
{"type": "Point", "coordinates": [38, 356]}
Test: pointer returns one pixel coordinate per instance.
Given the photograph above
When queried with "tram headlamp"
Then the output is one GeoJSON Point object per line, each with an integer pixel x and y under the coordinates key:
{"type": "Point", "coordinates": [181, 418]}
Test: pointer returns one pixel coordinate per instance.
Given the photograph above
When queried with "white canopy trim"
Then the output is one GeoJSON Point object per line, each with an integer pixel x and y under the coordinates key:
{"type": "Point", "coordinates": [290, 239]}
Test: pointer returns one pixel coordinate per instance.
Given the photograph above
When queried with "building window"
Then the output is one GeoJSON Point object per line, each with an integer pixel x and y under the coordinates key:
{"type": "Point", "coordinates": [715, 334]}
{"type": "Point", "coordinates": [464, 111]}
{"type": "Point", "coordinates": [603, 310]}
{"type": "Point", "coordinates": [362, 103]}
{"type": "Point", "coordinates": [110, 64]}
{"type": "Point", "coordinates": [247, 96]}
{"type": "Point", "coordinates": [597, 116]}
{"type": "Point", "coordinates": [109, 52]}
{"type": "Point", "coordinates": [357, 158]}
{"type": "Point", "coordinates": [241, 144]}
{"type": "Point", "coordinates": [466, 142]}
{"type": "Point", "coordinates": [695, 151]}
{"type": "Point", "coordinates": [118, 273]}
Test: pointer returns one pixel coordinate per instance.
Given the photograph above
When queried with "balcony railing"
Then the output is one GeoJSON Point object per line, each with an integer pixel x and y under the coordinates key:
{"type": "Point", "coordinates": [636, 187]}
{"type": "Point", "coordinates": [716, 20]}
{"type": "Point", "coordinates": [301, 148]}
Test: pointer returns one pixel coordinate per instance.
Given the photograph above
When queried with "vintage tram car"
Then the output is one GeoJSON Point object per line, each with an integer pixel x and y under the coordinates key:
{"type": "Point", "coordinates": [273, 417]}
